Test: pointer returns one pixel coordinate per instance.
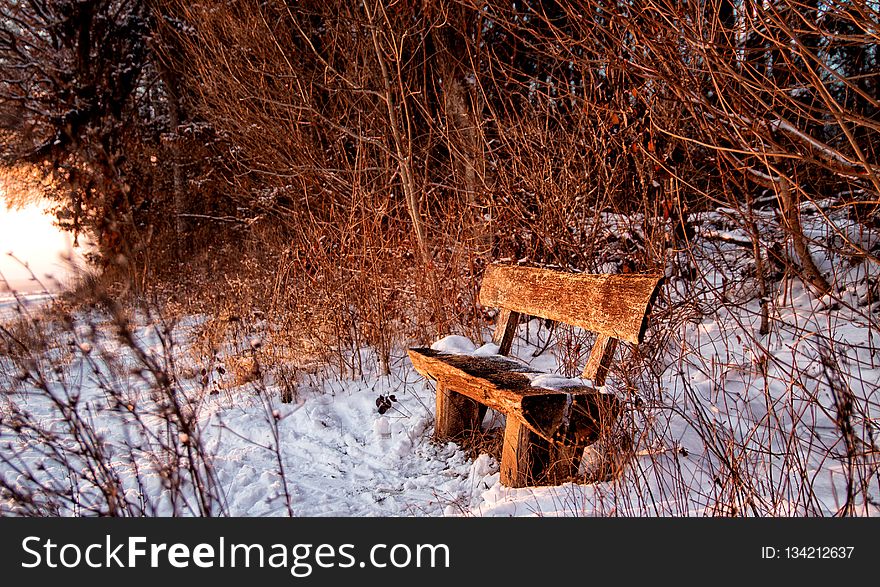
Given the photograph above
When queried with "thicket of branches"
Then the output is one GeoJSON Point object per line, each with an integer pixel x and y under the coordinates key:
{"type": "Point", "coordinates": [424, 139]}
{"type": "Point", "coordinates": [374, 138]}
{"type": "Point", "coordinates": [90, 115]}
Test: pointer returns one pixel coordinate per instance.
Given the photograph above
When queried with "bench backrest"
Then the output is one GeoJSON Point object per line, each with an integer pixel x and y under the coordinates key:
{"type": "Point", "coordinates": [613, 306]}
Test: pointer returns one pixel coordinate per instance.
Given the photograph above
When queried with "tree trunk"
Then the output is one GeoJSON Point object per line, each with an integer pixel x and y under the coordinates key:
{"type": "Point", "coordinates": [809, 271]}
{"type": "Point", "coordinates": [179, 202]}
{"type": "Point", "coordinates": [461, 112]}
{"type": "Point", "coordinates": [401, 137]}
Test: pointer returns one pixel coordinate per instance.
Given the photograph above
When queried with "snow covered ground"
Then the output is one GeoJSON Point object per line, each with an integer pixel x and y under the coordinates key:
{"type": "Point", "coordinates": [727, 421]}
{"type": "Point", "coordinates": [10, 304]}
{"type": "Point", "coordinates": [340, 457]}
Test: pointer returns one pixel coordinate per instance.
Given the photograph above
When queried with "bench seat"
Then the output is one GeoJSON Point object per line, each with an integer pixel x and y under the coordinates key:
{"type": "Point", "coordinates": [567, 416]}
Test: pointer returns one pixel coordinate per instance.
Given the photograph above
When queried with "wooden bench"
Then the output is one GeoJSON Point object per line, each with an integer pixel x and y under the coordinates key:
{"type": "Point", "coordinates": [546, 428]}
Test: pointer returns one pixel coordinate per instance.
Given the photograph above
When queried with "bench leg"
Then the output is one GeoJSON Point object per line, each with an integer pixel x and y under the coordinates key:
{"type": "Point", "coordinates": [564, 463]}
{"type": "Point", "coordinates": [457, 415]}
{"type": "Point", "coordinates": [606, 459]}
{"type": "Point", "coordinates": [528, 459]}
{"type": "Point", "coordinates": [516, 457]}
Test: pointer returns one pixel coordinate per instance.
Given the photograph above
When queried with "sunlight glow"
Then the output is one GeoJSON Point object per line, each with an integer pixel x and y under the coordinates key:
{"type": "Point", "coordinates": [30, 235]}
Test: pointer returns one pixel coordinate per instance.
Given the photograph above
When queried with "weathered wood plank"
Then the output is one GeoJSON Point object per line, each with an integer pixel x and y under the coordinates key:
{"type": "Point", "coordinates": [600, 359]}
{"type": "Point", "coordinates": [456, 416]}
{"type": "Point", "coordinates": [614, 305]}
{"type": "Point", "coordinates": [570, 416]}
{"type": "Point", "coordinates": [498, 383]}
{"type": "Point", "coordinates": [505, 330]}
{"type": "Point", "coordinates": [516, 454]}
